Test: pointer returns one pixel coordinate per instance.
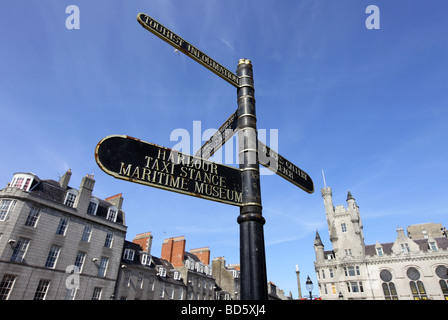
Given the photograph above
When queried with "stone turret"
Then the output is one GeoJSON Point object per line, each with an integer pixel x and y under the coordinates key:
{"type": "Point", "coordinates": [319, 248]}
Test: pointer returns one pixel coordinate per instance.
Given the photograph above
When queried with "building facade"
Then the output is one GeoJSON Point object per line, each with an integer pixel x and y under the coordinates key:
{"type": "Point", "coordinates": [145, 277]}
{"type": "Point", "coordinates": [62, 243]}
{"type": "Point", "coordinates": [58, 242]}
{"type": "Point", "coordinates": [227, 279]}
{"type": "Point", "coordinates": [406, 269]}
{"type": "Point", "coordinates": [194, 267]}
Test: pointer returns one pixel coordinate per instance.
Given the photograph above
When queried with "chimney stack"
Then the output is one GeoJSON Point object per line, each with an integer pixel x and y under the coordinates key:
{"type": "Point", "coordinates": [84, 193]}
{"type": "Point", "coordinates": [116, 200]}
{"type": "Point", "coordinates": [65, 179]}
{"type": "Point", "coordinates": [203, 254]}
{"type": "Point", "coordinates": [144, 240]}
{"type": "Point", "coordinates": [173, 250]}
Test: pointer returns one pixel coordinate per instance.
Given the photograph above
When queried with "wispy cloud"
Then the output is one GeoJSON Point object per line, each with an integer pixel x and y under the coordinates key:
{"type": "Point", "coordinates": [228, 44]}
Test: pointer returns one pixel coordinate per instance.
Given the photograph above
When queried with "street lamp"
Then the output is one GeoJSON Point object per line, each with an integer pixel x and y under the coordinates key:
{"type": "Point", "coordinates": [309, 286]}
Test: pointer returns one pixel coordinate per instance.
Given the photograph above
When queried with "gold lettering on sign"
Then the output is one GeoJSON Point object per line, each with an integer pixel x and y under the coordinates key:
{"type": "Point", "coordinates": [176, 41]}
{"type": "Point", "coordinates": [174, 170]}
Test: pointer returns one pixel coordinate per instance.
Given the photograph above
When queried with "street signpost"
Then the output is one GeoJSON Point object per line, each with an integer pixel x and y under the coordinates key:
{"type": "Point", "coordinates": [134, 160]}
{"type": "Point", "coordinates": [131, 159]}
{"type": "Point", "coordinates": [267, 157]}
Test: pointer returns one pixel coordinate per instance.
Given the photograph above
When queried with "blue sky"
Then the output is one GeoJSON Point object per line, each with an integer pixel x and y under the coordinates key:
{"type": "Point", "coordinates": [369, 107]}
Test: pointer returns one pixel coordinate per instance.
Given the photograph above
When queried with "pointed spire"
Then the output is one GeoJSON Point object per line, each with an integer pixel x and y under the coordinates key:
{"type": "Point", "coordinates": [317, 240]}
{"type": "Point", "coordinates": [349, 196]}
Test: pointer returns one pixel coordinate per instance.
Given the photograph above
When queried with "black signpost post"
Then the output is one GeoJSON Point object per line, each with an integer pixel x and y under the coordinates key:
{"type": "Point", "coordinates": [134, 160]}
{"type": "Point", "coordinates": [252, 252]}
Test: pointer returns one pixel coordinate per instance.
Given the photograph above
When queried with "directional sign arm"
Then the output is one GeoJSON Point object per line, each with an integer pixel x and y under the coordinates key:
{"type": "Point", "coordinates": [284, 168]}
{"type": "Point", "coordinates": [177, 42]}
{"type": "Point", "coordinates": [134, 160]}
{"type": "Point", "coordinates": [219, 138]}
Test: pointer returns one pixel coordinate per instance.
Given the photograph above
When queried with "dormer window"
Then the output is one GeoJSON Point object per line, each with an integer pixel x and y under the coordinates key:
{"type": "Point", "coordinates": [405, 248]}
{"type": "Point", "coordinates": [112, 214]}
{"type": "Point", "coordinates": [22, 181]}
{"type": "Point", "coordinates": [162, 272]}
{"type": "Point", "coordinates": [432, 245]}
{"type": "Point", "coordinates": [128, 254]}
{"type": "Point", "coordinates": [189, 264]}
{"type": "Point", "coordinates": [70, 198]}
{"type": "Point", "coordinates": [93, 206]}
{"type": "Point", "coordinates": [176, 275]}
{"type": "Point", "coordinates": [379, 251]}
{"type": "Point", "coordinates": [146, 259]}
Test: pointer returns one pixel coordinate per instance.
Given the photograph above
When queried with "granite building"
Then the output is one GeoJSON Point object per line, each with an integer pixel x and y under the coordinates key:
{"type": "Point", "coordinates": [227, 279]}
{"type": "Point", "coordinates": [62, 243]}
{"type": "Point", "coordinates": [194, 267]}
{"type": "Point", "coordinates": [413, 267]}
{"type": "Point", "coordinates": [143, 276]}
{"type": "Point", "coordinates": [58, 242]}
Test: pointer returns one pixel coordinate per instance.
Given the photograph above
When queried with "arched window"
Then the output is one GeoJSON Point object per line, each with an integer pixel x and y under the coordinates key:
{"type": "Point", "coordinates": [389, 291]}
{"type": "Point", "coordinates": [417, 287]}
{"type": "Point", "coordinates": [442, 273]}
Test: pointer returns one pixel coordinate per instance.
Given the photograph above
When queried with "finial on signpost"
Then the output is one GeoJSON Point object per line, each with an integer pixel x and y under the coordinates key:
{"type": "Point", "coordinates": [244, 61]}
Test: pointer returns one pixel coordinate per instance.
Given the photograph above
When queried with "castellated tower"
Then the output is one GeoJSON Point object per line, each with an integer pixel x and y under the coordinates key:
{"type": "Point", "coordinates": [344, 226]}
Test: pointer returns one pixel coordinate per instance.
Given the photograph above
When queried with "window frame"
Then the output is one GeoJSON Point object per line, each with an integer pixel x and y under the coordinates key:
{"type": "Point", "coordinates": [63, 226]}
{"type": "Point", "coordinates": [96, 203]}
{"type": "Point", "coordinates": [20, 250]}
{"type": "Point", "coordinates": [109, 240]}
{"type": "Point", "coordinates": [52, 257]}
{"type": "Point", "coordinates": [129, 254]}
{"type": "Point", "coordinates": [6, 285]}
{"type": "Point", "coordinates": [112, 214]}
{"type": "Point", "coordinates": [97, 292]}
{"type": "Point", "coordinates": [70, 198]}
{"type": "Point", "coordinates": [162, 272]}
{"type": "Point", "coordinates": [102, 269]}
{"type": "Point", "coordinates": [5, 210]}
{"type": "Point", "coordinates": [80, 259]}
{"type": "Point", "coordinates": [87, 233]}
{"type": "Point", "coordinates": [42, 289]}
{"type": "Point", "coordinates": [22, 181]}
{"type": "Point", "coordinates": [33, 217]}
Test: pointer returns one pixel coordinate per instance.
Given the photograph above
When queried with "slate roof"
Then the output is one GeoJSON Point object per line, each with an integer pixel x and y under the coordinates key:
{"type": "Point", "coordinates": [442, 244]}
{"type": "Point", "coordinates": [51, 190]}
{"type": "Point", "coordinates": [369, 250]}
{"type": "Point", "coordinates": [155, 262]}
{"type": "Point", "coordinates": [195, 258]}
